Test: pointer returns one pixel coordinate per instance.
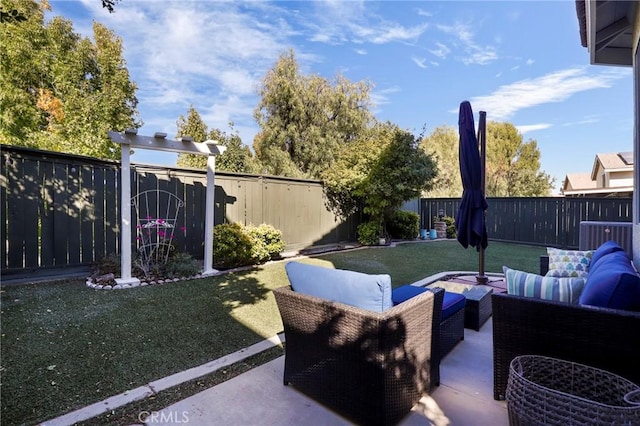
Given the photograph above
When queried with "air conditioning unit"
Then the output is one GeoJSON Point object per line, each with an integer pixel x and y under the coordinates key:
{"type": "Point", "coordinates": [593, 234]}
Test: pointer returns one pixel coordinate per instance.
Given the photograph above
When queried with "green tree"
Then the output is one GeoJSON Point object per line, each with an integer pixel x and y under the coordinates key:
{"type": "Point", "coordinates": [192, 125]}
{"type": "Point", "coordinates": [513, 166]}
{"type": "Point", "coordinates": [443, 144]}
{"type": "Point", "coordinates": [236, 158]}
{"type": "Point", "coordinates": [305, 119]}
{"type": "Point", "coordinates": [379, 171]}
{"type": "Point", "coordinates": [60, 91]}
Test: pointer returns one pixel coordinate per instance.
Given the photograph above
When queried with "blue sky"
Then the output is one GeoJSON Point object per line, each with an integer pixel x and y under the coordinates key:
{"type": "Point", "coordinates": [520, 61]}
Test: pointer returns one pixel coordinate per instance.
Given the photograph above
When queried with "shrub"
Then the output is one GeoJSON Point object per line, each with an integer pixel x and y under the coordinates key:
{"type": "Point", "coordinates": [369, 233]}
{"type": "Point", "coordinates": [404, 225]}
{"type": "Point", "coordinates": [178, 265]}
{"type": "Point", "coordinates": [267, 242]}
{"type": "Point", "coordinates": [235, 245]}
{"type": "Point", "coordinates": [232, 246]}
{"type": "Point", "coordinates": [181, 265]}
{"type": "Point", "coordinates": [109, 264]}
{"type": "Point", "coordinates": [451, 226]}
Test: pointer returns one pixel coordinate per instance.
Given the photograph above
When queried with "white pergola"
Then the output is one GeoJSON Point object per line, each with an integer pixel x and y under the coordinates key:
{"type": "Point", "coordinates": [159, 142]}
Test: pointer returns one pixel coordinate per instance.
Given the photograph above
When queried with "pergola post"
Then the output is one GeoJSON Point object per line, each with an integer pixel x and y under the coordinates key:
{"type": "Point", "coordinates": [125, 222]}
{"type": "Point", "coordinates": [130, 139]}
{"type": "Point", "coordinates": [209, 217]}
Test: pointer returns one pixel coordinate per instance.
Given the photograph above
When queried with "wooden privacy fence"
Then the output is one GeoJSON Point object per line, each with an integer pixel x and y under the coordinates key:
{"type": "Point", "coordinates": [546, 221]}
{"type": "Point", "coordinates": [60, 210]}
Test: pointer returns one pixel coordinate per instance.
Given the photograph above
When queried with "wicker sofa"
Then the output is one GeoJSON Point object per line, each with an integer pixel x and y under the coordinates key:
{"type": "Point", "coordinates": [371, 367]}
{"type": "Point", "coordinates": [600, 337]}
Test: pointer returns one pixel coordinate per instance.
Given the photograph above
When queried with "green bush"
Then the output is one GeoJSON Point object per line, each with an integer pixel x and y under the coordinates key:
{"type": "Point", "coordinates": [232, 246]}
{"type": "Point", "coordinates": [369, 233]}
{"type": "Point", "coordinates": [236, 245]}
{"type": "Point", "coordinates": [404, 225]}
{"type": "Point", "coordinates": [267, 242]}
{"type": "Point", "coordinates": [181, 265]}
{"type": "Point", "coordinates": [451, 226]}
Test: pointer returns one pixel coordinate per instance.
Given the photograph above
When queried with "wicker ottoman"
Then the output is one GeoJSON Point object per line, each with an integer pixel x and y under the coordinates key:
{"type": "Point", "coordinates": [550, 391]}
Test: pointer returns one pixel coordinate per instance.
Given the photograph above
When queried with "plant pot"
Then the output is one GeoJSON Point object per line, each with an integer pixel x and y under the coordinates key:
{"type": "Point", "coordinates": [423, 234]}
{"type": "Point", "coordinates": [382, 241]}
{"type": "Point", "coordinates": [433, 234]}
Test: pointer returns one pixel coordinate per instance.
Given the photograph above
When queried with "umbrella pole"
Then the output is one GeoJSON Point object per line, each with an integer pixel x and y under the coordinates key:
{"type": "Point", "coordinates": [482, 136]}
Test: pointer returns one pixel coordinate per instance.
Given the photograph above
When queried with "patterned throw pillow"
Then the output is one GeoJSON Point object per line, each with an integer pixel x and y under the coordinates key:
{"type": "Point", "coordinates": [521, 283]}
{"type": "Point", "coordinates": [568, 263]}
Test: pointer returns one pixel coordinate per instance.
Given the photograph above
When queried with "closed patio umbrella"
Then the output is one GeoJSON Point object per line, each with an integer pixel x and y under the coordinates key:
{"type": "Point", "coordinates": [470, 218]}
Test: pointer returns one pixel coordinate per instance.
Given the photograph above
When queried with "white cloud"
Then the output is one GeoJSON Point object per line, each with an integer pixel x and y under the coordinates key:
{"type": "Point", "coordinates": [527, 128]}
{"type": "Point", "coordinates": [381, 97]}
{"type": "Point", "coordinates": [473, 53]}
{"type": "Point", "coordinates": [587, 120]}
{"type": "Point", "coordinates": [530, 61]}
{"type": "Point", "coordinates": [550, 88]}
{"type": "Point", "coordinates": [442, 51]}
{"type": "Point", "coordinates": [419, 61]}
{"type": "Point", "coordinates": [360, 51]}
{"type": "Point", "coordinates": [339, 22]}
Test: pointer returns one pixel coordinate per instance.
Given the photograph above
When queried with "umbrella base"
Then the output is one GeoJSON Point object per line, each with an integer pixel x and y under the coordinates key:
{"type": "Point", "coordinates": [482, 279]}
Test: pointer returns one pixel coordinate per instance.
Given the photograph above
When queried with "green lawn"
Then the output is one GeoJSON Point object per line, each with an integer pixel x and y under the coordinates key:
{"type": "Point", "coordinates": [64, 346]}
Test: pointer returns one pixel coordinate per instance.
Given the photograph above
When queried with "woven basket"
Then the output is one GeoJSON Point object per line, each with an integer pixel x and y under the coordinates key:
{"type": "Point", "coordinates": [549, 391]}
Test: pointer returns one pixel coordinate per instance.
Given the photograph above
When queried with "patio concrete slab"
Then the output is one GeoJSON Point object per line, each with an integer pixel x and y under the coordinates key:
{"type": "Point", "coordinates": [258, 397]}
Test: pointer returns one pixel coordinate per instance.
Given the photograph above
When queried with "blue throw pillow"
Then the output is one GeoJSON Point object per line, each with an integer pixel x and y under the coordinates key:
{"type": "Point", "coordinates": [613, 283]}
{"type": "Point", "coordinates": [521, 283]}
{"type": "Point", "coordinates": [371, 292]}
{"type": "Point", "coordinates": [604, 249]}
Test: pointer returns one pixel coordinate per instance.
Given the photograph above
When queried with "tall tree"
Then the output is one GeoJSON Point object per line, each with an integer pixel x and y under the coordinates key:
{"type": "Point", "coordinates": [442, 144]}
{"type": "Point", "coordinates": [378, 172]}
{"type": "Point", "coordinates": [304, 119]}
{"type": "Point", "coordinates": [192, 125]}
{"type": "Point", "coordinates": [513, 166]}
{"type": "Point", "coordinates": [60, 91]}
{"type": "Point", "coordinates": [236, 158]}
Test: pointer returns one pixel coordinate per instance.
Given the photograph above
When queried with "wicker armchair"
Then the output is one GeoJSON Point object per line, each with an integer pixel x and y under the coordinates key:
{"type": "Point", "coordinates": [599, 337]}
{"type": "Point", "coordinates": [370, 367]}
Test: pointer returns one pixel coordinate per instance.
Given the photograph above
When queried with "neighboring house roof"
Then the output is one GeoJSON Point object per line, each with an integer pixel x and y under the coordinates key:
{"type": "Point", "coordinates": [612, 162]}
{"type": "Point", "coordinates": [587, 183]}
{"type": "Point", "coordinates": [579, 181]}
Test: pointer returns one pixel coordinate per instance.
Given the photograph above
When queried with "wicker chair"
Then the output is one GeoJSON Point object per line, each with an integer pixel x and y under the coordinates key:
{"type": "Point", "coordinates": [599, 337]}
{"type": "Point", "coordinates": [370, 367]}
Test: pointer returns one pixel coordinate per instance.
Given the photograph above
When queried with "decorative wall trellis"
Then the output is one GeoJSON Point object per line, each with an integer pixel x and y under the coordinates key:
{"type": "Point", "coordinates": [156, 213]}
